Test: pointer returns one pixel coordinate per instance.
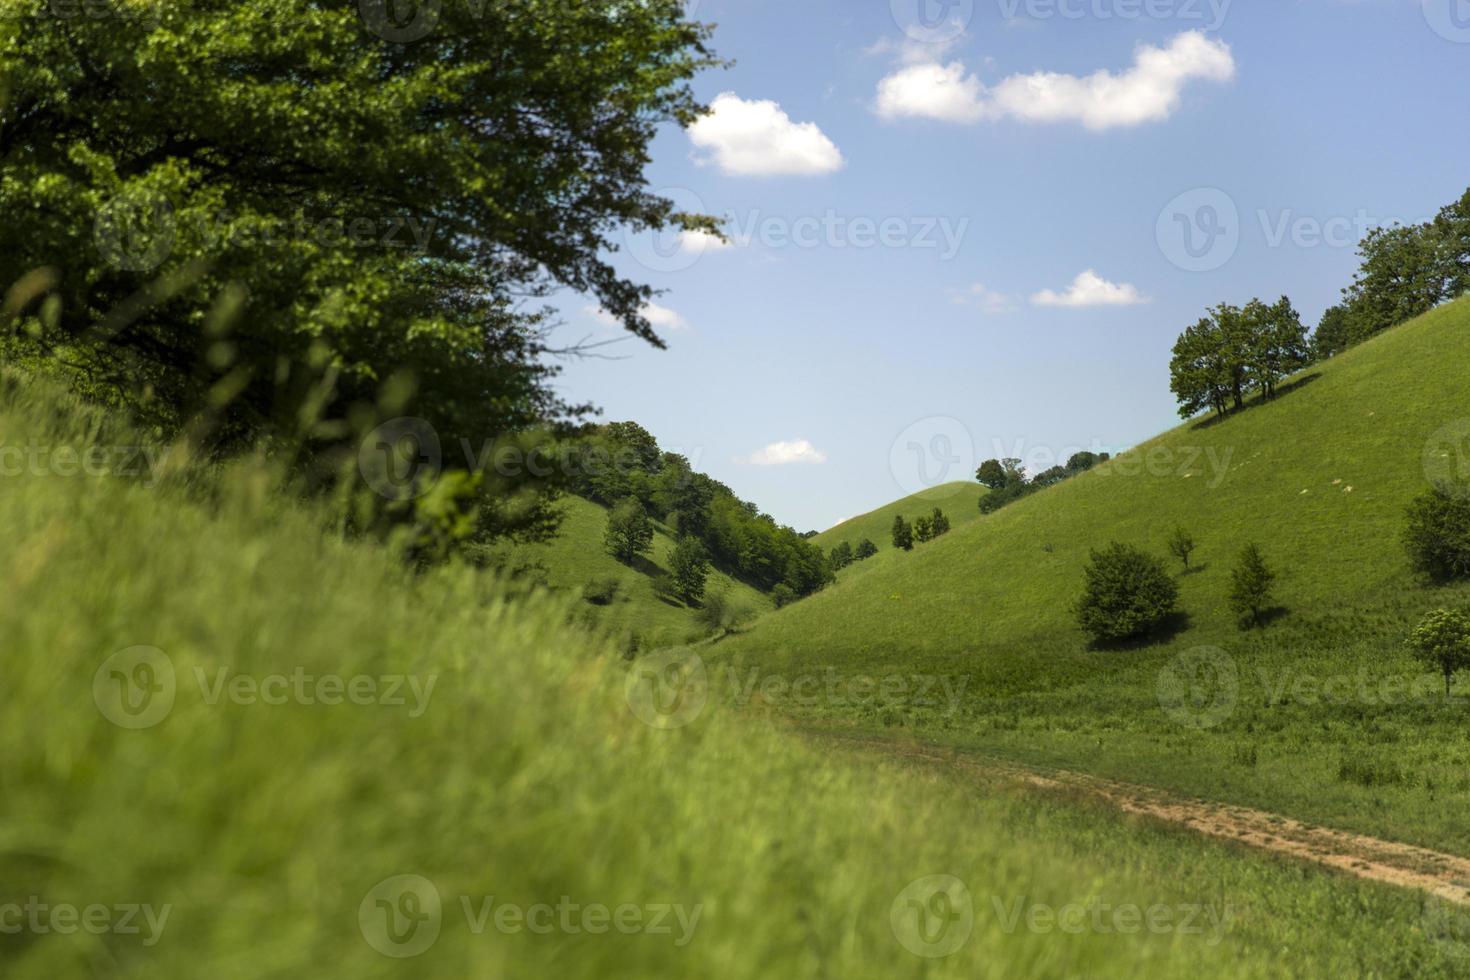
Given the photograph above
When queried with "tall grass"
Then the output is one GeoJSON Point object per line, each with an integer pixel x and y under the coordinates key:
{"type": "Point", "coordinates": [276, 839]}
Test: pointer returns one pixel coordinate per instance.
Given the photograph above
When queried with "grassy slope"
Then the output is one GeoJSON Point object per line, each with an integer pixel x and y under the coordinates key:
{"type": "Point", "coordinates": [576, 556]}
{"type": "Point", "coordinates": [959, 501]}
{"type": "Point", "coordinates": [989, 605]}
{"type": "Point", "coordinates": [265, 827]}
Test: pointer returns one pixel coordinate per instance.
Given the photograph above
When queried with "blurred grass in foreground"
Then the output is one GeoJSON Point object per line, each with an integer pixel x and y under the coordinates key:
{"type": "Point", "coordinates": [265, 831]}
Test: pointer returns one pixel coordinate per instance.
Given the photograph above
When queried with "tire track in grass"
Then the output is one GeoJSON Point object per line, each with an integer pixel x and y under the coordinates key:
{"type": "Point", "coordinates": [1446, 876]}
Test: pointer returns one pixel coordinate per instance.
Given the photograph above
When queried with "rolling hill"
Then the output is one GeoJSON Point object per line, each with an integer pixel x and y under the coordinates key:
{"type": "Point", "coordinates": [960, 502]}
{"type": "Point", "coordinates": [1320, 478]}
{"type": "Point", "coordinates": [449, 755]}
{"type": "Point", "coordinates": [576, 557]}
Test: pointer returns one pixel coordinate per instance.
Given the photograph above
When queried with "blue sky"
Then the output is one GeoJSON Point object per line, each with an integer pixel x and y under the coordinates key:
{"type": "Point", "coordinates": [956, 240]}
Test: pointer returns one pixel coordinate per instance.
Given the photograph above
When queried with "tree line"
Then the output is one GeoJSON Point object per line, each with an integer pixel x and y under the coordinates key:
{"type": "Point", "coordinates": [1008, 481]}
{"type": "Point", "coordinates": [1236, 350]}
{"type": "Point", "coordinates": [923, 529]}
{"type": "Point", "coordinates": [622, 467]}
{"type": "Point", "coordinates": [1406, 271]}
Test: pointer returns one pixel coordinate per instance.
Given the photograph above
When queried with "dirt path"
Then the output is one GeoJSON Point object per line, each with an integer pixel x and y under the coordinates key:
{"type": "Point", "coordinates": [1444, 875]}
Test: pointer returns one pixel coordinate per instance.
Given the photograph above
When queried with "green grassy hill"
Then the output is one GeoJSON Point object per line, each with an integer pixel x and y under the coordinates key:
{"type": "Point", "coordinates": [159, 752]}
{"type": "Point", "coordinates": [576, 557]}
{"type": "Point", "coordinates": [959, 501]}
{"type": "Point", "coordinates": [1320, 479]}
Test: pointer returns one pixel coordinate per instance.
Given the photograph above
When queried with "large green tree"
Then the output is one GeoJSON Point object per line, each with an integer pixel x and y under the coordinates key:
{"type": "Point", "coordinates": [689, 566]}
{"type": "Point", "coordinates": [629, 532]}
{"type": "Point", "coordinates": [1199, 373]}
{"type": "Point", "coordinates": [1234, 349]}
{"type": "Point", "coordinates": [1278, 343]}
{"type": "Point", "coordinates": [270, 208]}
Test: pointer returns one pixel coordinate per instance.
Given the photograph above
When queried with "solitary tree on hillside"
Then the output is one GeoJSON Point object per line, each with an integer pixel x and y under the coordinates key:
{"type": "Point", "coordinates": [866, 549]}
{"type": "Point", "coordinates": [1181, 545]}
{"type": "Point", "coordinates": [903, 534]}
{"type": "Point", "coordinates": [629, 531]}
{"type": "Point", "coordinates": [1443, 641]}
{"type": "Point", "coordinates": [689, 566]}
{"type": "Point", "coordinates": [1250, 590]}
{"type": "Point", "coordinates": [1437, 534]}
{"type": "Point", "coordinates": [841, 556]}
{"type": "Point", "coordinates": [1128, 594]}
{"type": "Point", "coordinates": [940, 522]}
{"type": "Point", "coordinates": [923, 529]}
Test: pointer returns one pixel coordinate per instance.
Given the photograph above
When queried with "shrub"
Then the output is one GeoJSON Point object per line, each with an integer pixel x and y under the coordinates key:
{"type": "Point", "coordinates": [1437, 534]}
{"type": "Point", "coordinates": [866, 549]}
{"type": "Point", "coordinates": [1250, 586]}
{"type": "Point", "coordinates": [689, 566]}
{"type": "Point", "coordinates": [1128, 594]}
{"type": "Point", "coordinates": [601, 591]}
{"type": "Point", "coordinates": [1442, 641]}
{"type": "Point", "coordinates": [723, 614]}
{"type": "Point", "coordinates": [842, 556]}
{"type": "Point", "coordinates": [783, 595]}
{"type": "Point", "coordinates": [1181, 545]}
{"type": "Point", "coordinates": [923, 529]}
{"type": "Point", "coordinates": [903, 534]}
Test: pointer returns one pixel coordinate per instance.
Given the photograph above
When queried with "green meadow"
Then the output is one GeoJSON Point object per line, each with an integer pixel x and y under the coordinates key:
{"type": "Point", "coordinates": [1321, 714]}
{"type": "Point", "coordinates": [342, 635]}
{"type": "Point", "coordinates": [330, 764]}
{"type": "Point", "coordinates": [960, 502]}
{"type": "Point", "coordinates": [635, 614]}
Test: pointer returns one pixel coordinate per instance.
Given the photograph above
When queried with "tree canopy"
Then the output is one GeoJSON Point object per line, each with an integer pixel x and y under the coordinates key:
{"type": "Point", "coordinates": [622, 460]}
{"type": "Point", "coordinates": [270, 209]}
{"type": "Point", "coordinates": [1233, 350]}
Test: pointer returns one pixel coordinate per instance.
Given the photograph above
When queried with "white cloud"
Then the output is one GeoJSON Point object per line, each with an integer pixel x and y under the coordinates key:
{"type": "Point", "coordinates": [988, 300]}
{"type": "Point", "coordinates": [1149, 91]}
{"type": "Point", "coordinates": [932, 91]}
{"type": "Point", "coordinates": [785, 454]}
{"type": "Point", "coordinates": [911, 51]}
{"type": "Point", "coordinates": [699, 242]}
{"type": "Point", "coordinates": [658, 316]}
{"type": "Point", "coordinates": [1091, 289]}
{"type": "Point", "coordinates": [758, 139]}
